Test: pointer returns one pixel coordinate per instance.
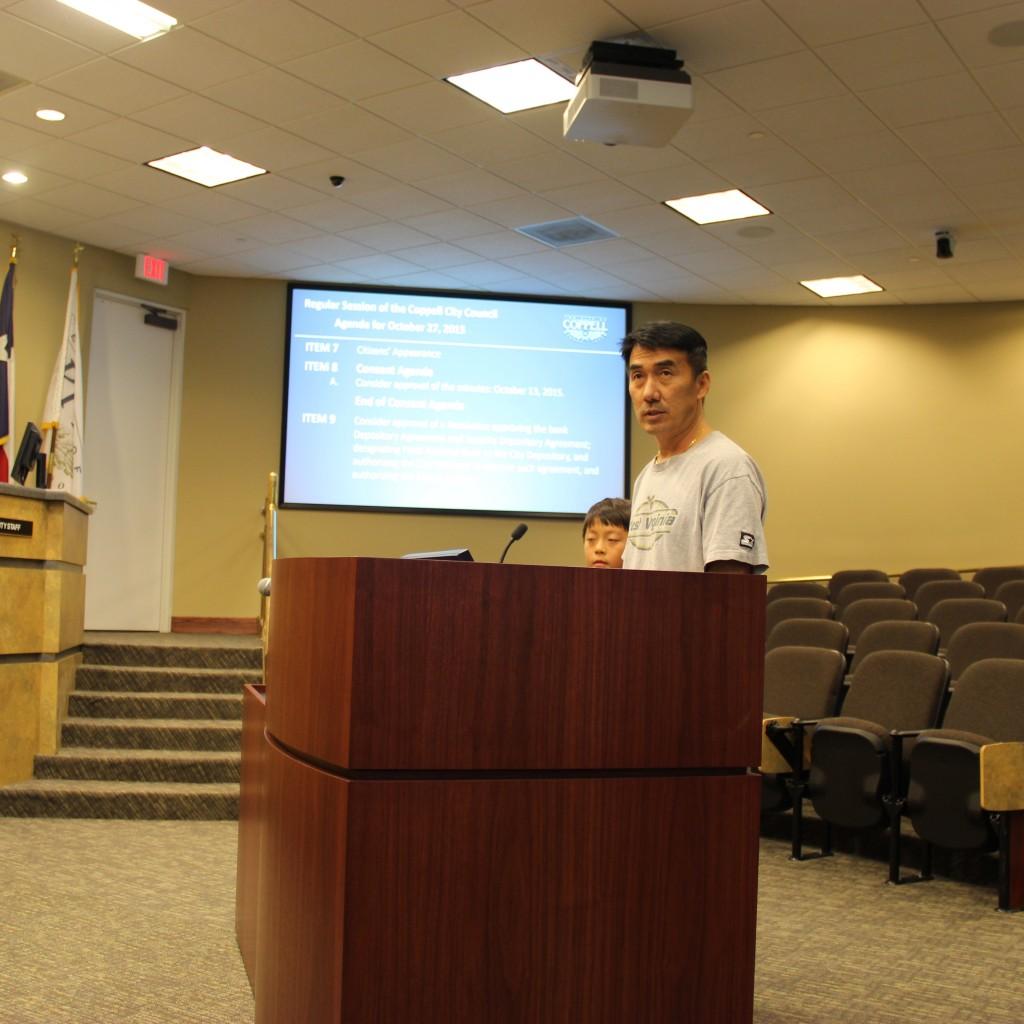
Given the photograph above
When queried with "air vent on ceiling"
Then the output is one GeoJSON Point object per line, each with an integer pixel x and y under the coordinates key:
{"type": "Point", "coordinates": [572, 231]}
{"type": "Point", "coordinates": [9, 81]}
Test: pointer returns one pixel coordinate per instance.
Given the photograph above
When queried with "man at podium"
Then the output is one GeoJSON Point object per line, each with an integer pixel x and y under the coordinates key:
{"type": "Point", "coordinates": [699, 504]}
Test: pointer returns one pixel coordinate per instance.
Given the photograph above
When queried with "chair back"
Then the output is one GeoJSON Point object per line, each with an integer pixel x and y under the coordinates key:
{"type": "Point", "coordinates": [952, 613]}
{"type": "Point", "coordinates": [795, 608]}
{"type": "Point", "coordinates": [898, 690]}
{"type": "Point", "coordinates": [913, 578]}
{"type": "Point", "coordinates": [989, 700]}
{"type": "Point", "coordinates": [846, 576]}
{"type": "Point", "coordinates": [826, 633]}
{"type": "Point", "coordinates": [930, 594]}
{"type": "Point", "coordinates": [868, 588]}
{"type": "Point", "coordinates": [802, 681]}
{"type": "Point", "coordinates": [798, 588]}
{"type": "Point", "coordinates": [977, 641]}
{"type": "Point", "coordinates": [895, 635]}
{"type": "Point", "coordinates": [862, 613]}
{"type": "Point", "coordinates": [1011, 593]}
{"type": "Point", "coordinates": [993, 576]}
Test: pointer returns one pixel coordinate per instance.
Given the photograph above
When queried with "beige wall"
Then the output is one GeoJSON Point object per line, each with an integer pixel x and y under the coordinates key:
{"type": "Point", "coordinates": [889, 436]}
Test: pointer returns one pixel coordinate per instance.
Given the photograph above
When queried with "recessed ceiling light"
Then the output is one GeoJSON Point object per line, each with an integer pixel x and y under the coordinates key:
{"type": "Point", "coordinates": [50, 115]}
{"type": "Point", "coordinates": [519, 86]}
{"type": "Point", "coordinates": [206, 166]}
{"type": "Point", "coordinates": [130, 16]}
{"type": "Point", "coordinates": [15, 178]}
{"type": "Point", "coordinates": [833, 287]}
{"type": "Point", "coordinates": [718, 206]}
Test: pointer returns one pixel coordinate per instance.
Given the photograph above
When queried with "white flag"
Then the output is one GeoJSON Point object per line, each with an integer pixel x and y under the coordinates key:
{"type": "Point", "coordinates": [62, 417]}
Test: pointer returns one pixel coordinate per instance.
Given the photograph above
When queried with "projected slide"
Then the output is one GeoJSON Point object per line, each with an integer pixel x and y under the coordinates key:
{"type": "Point", "coordinates": [412, 401]}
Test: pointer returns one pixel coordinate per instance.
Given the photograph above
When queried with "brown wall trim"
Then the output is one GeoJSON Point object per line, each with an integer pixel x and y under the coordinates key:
{"type": "Point", "coordinates": [209, 624]}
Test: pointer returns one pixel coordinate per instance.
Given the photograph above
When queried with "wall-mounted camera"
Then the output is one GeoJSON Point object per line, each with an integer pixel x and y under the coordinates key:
{"type": "Point", "coordinates": [943, 244]}
{"type": "Point", "coordinates": [336, 180]}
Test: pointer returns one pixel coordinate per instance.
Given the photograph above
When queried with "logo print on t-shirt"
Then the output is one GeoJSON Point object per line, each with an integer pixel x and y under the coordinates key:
{"type": "Point", "coordinates": [650, 522]}
{"type": "Point", "coordinates": [747, 540]}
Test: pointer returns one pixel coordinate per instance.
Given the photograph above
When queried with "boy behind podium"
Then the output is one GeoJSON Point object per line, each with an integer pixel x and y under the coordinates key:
{"type": "Point", "coordinates": [604, 533]}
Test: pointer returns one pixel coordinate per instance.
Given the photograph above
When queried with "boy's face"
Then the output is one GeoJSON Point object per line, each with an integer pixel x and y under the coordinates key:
{"type": "Point", "coordinates": [603, 545]}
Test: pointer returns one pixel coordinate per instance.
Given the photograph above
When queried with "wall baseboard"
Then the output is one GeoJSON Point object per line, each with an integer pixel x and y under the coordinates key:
{"type": "Point", "coordinates": [211, 624]}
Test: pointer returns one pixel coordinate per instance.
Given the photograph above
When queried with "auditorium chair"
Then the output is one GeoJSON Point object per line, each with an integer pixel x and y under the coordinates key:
{"type": "Point", "coordinates": [966, 787]}
{"type": "Point", "coordinates": [796, 608]}
{"type": "Point", "coordinates": [895, 635]}
{"type": "Point", "coordinates": [953, 612]}
{"type": "Point", "coordinates": [1011, 593]}
{"type": "Point", "coordinates": [977, 641]}
{"type": "Point", "coordinates": [993, 576]}
{"type": "Point", "coordinates": [846, 576]}
{"type": "Point", "coordinates": [797, 588]}
{"type": "Point", "coordinates": [868, 588]}
{"type": "Point", "coordinates": [799, 682]}
{"type": "Point", "coordinates": [826, 633]}
{"type": "Point", "coordinates": [913, 578]}
{"type": "Point", "coordinates": [851, 779]}
{"type": "Point", "coordinates": [930, 594]}
{"type": "Point", "coordinates": [857, 616]}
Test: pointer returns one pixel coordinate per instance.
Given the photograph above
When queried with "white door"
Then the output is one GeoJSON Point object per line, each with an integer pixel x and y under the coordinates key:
{"type": "Point", "coordinates": [132, 404]}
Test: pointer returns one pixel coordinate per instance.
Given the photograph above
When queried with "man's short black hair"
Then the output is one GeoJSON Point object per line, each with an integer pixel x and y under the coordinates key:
{"type": "Point", "coordinates": [611, 512]}
{"type": "Point", "coordinates": [669, 334]}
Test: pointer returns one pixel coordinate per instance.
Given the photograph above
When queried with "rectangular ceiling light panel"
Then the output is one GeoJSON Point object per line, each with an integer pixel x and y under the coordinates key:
{"type": "Point", "coordinates": [834, 287]}
{"type": "Point", "coordinates": [206, 166]}
{"type": "Point", "coordinates": [519, 86]}
{"type": "Point", "coordinates": [715, 207]}
{"type": "Point", "coordinates": [130, 16]}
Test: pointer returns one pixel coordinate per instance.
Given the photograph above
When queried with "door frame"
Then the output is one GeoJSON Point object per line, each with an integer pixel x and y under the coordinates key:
{"type": "Point", "coordinates": [173, 439]}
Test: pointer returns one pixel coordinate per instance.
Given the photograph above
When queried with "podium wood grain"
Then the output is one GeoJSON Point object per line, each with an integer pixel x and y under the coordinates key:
{"type": "Point", "coordinates": [507, 901]}
{"type": "Point", "coordinates": [426, 665]}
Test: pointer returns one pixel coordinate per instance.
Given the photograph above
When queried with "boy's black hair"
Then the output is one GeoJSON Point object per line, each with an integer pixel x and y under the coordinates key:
{"type": "Point", "coordinates": [611, 512]}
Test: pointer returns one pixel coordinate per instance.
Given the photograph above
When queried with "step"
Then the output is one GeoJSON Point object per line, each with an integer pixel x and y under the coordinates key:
{"type": "Point", "coordinates": [164, 679]}
{"type": "Point", "coordinates": [151, 734]}
{"type": "Point", "coordinates": [200, 656]}
{"type": "Point", "coordinates": [76, 798]}
{"type": "Point", "coordinates": [217, 706]}
{"type": "Point", "coordinates": [127, 765]}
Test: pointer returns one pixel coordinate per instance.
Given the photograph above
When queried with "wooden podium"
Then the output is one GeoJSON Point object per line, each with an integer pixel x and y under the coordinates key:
{"type": "Point", "coordinates": [503, 795]}
{"type": "Point", "coordinates": [42, 603]}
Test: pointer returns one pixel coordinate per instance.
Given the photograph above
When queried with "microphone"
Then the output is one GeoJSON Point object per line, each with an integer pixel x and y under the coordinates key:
{"type": "Point", "coordinates": [517, 534]}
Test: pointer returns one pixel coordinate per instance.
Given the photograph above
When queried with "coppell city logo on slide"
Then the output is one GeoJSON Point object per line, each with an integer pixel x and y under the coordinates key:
{"type": "Point", "coordinates": [584, 327]}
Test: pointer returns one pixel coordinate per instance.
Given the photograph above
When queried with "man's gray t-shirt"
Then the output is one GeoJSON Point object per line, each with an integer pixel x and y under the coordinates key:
{"type": "Point", "coordinates": [704, 505]}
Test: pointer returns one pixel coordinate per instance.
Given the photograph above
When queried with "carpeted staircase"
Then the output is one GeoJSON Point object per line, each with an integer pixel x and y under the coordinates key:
{"type": "Point", "coordinates": [153, 731]}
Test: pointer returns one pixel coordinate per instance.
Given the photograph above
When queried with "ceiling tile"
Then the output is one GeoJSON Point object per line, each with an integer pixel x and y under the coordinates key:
{"type": "Point", "coordinates": [770, 164]}
{"type": "Point", "coordinates": [890, 58]}
{"type": "Point", "coordinates": [117, 237]}
{"type": "Point", "coordinates": [70, 25]}
{"type": "Point", "coordinates": [379, 266]}
{"type": "Point", "coordinates": [388, 237]}
{"type": "Point", "coordinates": [819, 23]}
{"type": "Point", "coordinates": [968, 35]}
{"type": "Point", "coordinates": [33, 53]}
{"type": "Point", "coordinates": [427, 279]}
{"type": "Point", "coordinates": [452, 225]}
{"type": "Point", "coordinates": [273, 32]}
{"type": "Point", "coordinates": [689, 179]}
{"type": "Point", "coordinates": [930, 100]}
{"type": "Point", "coordinates": [941, 139]}
{"type": "Point", "coordinates": [449, 44]}
{"type": "Point", "coordinates": [400, 201]}
{"type": "Point", "coordinates": [438, 255]}
{"type": "Point", "coordinates": [501, 244]}
{"type": "Point", "coordinates": [484, 273]}
{"type": "Point", "coordinates": [88, 200]}
{"type": "Point", "coordinates": [219, 241]}
{"type": "Point", "coordinates": [211, 206]}
{"type": "Point", "coordinates": [70, 159]}
{"type": "Point", "coordinates": [646, 219]}
{"type": "Point", "coordinates": [113, 86]}
{"type": "Point", "coordinates": [413, 160]}
{"type": "Point", "coordinates": [275, 258]}
{"type": "Point", "coordinates": [594, 197]}
{"type": "Point", "coordinates": [334, 215]}
{"type": "Point", "coordinates": [273, 96]}
{"type": "Point", "coordinates": [271, 192]}
{"type": "Point", "coordinates": [153, 222]}
{"type": "Point", "coordinates": [146, 184]}
{"type": "Point", "coordinates": [471, 187]}
{"type": "Point", "coordinates": [274, 149]}
{"type": "Point", "coordinates": [983, 168]}
{"type": "Point", "coordinates": [20, 106]}
{"type": "Point", "coordinates": [519, 211]}
{"type": "Point", "coordinates": [888, 182]}
{"type": "Point", "coordinates": [813, 193]}
{"type": "Point", "coordinates": [17, 139]}
{"type": "Point", "coordinates": [355, 70]}
{"type": "Point", "coordinates": [330, 248]}
{"type": "Point", "coordinates": [539, 26]}
{"type": "Point", "coordinates": [857, 152]}
{"type": "Point", "coordinates": [1003, 83]}
{"type": "Point", "coordinates": [431, 107]}
{"type": "Point", "coordinates": [733, 136]}
{"type": "Point", "coordinates": [35, 214]}
{"type": "Point", "coordinates": [819, 222]}
{"type": "Point", "coordinates": [821, 119]}
{"type": "Point", "coordinates": [709, 42]}
{"type": "Point", "coordinates": [793, 78]}
{"type": "Point", "coordinates": [195, 116]}
{"type": "Point", "coordinates": [610, 252]}
{"type": "Point", "coordinates": [189, 59]}
{"type": "Point", "coordinates": [130, 140]}
{"type": "Point", "coordinates": [346, 127]}
{"type": "Point", "coordinates": [546, 170]}
{"type": "Point", "coordinates": [358, 177]}
{"type": "Point", "coordinates": [364, 18]}
{"type": "Point", "coordinates": [273, 227]}
{"type": "Point", "coordinates": [862, 240]}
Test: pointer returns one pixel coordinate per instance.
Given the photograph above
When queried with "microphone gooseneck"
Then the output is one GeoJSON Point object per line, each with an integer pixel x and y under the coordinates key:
{"type": "Point", "coordinates": [517, 534]}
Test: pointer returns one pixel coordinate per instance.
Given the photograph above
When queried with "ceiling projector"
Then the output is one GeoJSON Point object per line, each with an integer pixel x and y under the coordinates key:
{"type": "Point", "coordinates": [628, 95]}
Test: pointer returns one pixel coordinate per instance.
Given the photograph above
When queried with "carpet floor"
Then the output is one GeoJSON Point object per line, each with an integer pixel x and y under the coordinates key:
{"type": "Point", "coordinates": [118, 922]}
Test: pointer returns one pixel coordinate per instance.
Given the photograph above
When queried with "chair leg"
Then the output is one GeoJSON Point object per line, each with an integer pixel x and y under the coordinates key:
{"type": "Point", "coordinates": [796, 792]}
{"type": "Point", "coordinates": [926, 862]}
{"type": "Point", "coordinates": [1010, 826]}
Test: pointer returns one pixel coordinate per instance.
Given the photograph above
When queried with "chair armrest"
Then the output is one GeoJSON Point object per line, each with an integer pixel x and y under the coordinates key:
{"type": "Point", "coordinates": [778, 754]}
{"type": "Point", "coordinates": [1002, 776]}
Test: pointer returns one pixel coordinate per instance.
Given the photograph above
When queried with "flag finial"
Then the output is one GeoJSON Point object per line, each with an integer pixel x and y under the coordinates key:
{"type": "Point", "coordinates": [14, 248]}
{"type": "Point", "coordinates": [79, 249]}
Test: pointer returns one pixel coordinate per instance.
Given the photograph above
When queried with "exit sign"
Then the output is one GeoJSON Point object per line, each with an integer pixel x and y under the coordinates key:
{"type": "Point", "coordinates": [151, 268]}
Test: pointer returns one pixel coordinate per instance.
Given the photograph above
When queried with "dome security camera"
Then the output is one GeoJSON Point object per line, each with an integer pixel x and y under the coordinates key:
{"type": "Point", "coordinates": [943, 245]}
{"type": "Point", "coordinates": [336, 180]}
